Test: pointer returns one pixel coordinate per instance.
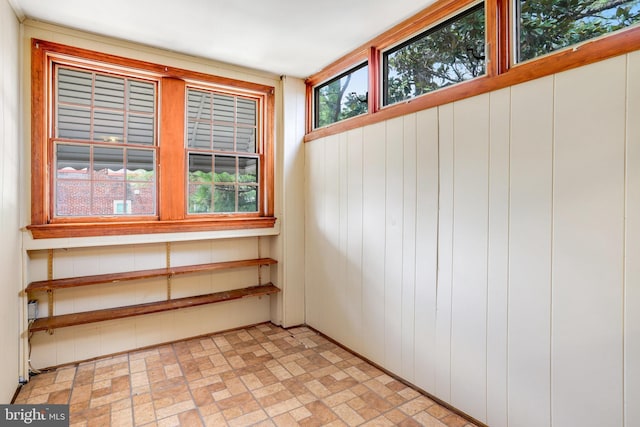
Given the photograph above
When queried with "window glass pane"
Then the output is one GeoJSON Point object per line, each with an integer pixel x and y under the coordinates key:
{"type": "Point", "coordinates": [108, 126]}
{"type": "Point", "coordinates": [141, 188]}
{"type": "Point", "coordinates": [198, 105]}
{"type": "Point", "coordinates": [225, 169]}
{"type": "Point", "coordinates": [108, 163]}
{"type": "Point", "coordinates": [200, 183]}
{"type": "Point", "coordinates": [449, 53]}
{"type": "Point", "coordinates": [104, 194]}
{"type": "Point", "coordinates": [74, 87]}
{"type": "Point", "coordinates": [343, 97]}
{"type": "Point", "coordinates": [223, 138]}
{"type": "Point", "coordinates": [73, 197]}
{"type": "Point", "coordinates": [73, 122]}
{"type": "Point", "coordinates": [142, 96]}
{"type": "Point", "coordinates": [246, 111]}
{"type": "Point", "coordinates": [223, 106]}
{"type": "Point", "coordinates": [199, 135]}
{"type": "Point", "coordinates": [546, 26]}
{"type": "Point", "coordinates": [109, 92]}
{"type": "Point", "coordinates": [248, 169]}
{"type": "Point", "coordinates": [72, 162]}
{"type": "Point", "coordinates": [225, 198]}
{"type": "Point", "coordinates": [246, 140]}
{"type": "Point", "coordinates": [247, 198]}
{"type": "Point", "coordinates": [140, 129]}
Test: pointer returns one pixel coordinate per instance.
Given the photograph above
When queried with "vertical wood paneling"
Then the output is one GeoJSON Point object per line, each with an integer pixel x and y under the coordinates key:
{"type": "Point", "coordinates": [498, 261]}
{"type": "Point", "coordinates": [354, 171]}
{"type": "Point", "coordinates": [331, 259]}
{"type": "Point", "coordinates": [470, 241]}
{"type": "Point", "coordinates": [393, 244]}
{"type": "Point", "coordinates": [445, 253]}
{"type": "Point", "coordinates": [530, 231]}
{"type": "Point", "coordinates": [426, 250]}
{"type": "Point", "coordinates": [632, 249]}
{"type": "Point", "coordinates": [588, 243]}
{"type": "Point", "coordinates": [373, 242]}
{"type": "Point", "coordinates": [314, 239]}
{"type": "Point", "coordinates": [409, 247]}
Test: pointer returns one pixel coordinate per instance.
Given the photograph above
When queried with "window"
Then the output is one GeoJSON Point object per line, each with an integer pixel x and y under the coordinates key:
{"type": "Point", "coordinates": [222, 153]}
{"type": "Point", "coordinates": [446, 54]}
{"type": "Point", "coordinates": [121, 146]}
{"type": "Point", "coordinates": [342, 97]}
{"type": "Point", "coordinates": [546, 26]}
{"type": "Point", "coordinates": [103, 144]}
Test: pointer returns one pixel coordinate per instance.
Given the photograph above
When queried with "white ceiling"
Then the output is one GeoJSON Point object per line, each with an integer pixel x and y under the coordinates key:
{"type": "Point", "coordinates": [290, 37]}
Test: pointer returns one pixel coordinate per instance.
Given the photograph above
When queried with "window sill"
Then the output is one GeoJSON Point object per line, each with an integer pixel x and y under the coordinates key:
{"type": "Point", "coordinates": [71, 230]}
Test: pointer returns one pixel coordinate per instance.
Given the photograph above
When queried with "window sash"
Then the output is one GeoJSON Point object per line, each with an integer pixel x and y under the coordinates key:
{"type": "Point", "coordinates": [433, 80]}
{"type": "Point", "coordinates": [356, 100]}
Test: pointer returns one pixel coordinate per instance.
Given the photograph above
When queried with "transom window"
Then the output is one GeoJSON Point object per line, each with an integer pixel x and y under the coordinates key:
{"type": "Point", "coordinates": [342, 97]}
{"type": "Point", "coordinates": [546, 26]}
{"type": "Point", "coordinates": [448, 53]}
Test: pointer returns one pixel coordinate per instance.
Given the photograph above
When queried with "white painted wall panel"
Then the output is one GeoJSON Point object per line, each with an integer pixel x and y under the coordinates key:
{"type": "Point", "coordinates": [393, 244]}
{"type": "Point", "coordinates": [314, 239]}
{"type": "Point", "coordinates": [409, 185]}
{"type": "Point", "coordinates": [470, 242]}
{"type": "Point", "coordinates": [505, 243]}
{"type": "Point", "coordinates": [530, 231]}
{"type": "Point", "coordinates": [498, 257]}
{"type": "Point", "coordinates": [373, 242]}
{"type": "Point", "coordinates": [354, 164]}
{"type": "Point", "coordinates": [588, 241]}
{"type": "Point", "coordinates": [445, 253]}
{"type": "Point", "coordinates": [632, 249]}
{"type": "Point", "coordinates": [426, 249]}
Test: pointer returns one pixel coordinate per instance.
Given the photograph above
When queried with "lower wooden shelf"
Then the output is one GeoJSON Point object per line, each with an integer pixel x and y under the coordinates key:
{"type": "Point", "coordinates": [73, 319]}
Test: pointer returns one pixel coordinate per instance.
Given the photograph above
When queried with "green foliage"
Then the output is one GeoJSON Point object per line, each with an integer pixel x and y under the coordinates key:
{"type": "Point", "coordinates": [448, 54]}
{"type": "Point", "coordinates": [224, 196]}
{"type": "Point", "coordinates": [546, 26]}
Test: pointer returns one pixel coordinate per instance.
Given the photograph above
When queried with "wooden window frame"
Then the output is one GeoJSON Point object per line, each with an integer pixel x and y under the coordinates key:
{"type": "Point", "coordinates": [501, 71]}
{"type": "Point", "coordinates": [171, 215]}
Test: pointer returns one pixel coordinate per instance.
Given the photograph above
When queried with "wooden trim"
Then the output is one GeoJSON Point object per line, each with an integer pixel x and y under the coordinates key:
{"type": "Point", "coordinates": [503, 35]}
{"type": "Point", "coordinates": [72, 282]}
{"type": "Point", "coordinates": [39, 184]}
{"type": "Point", "coordinates": [374, 80]}
{"type": "Point", "coordinates": [432, 15]}
{"type": "Point", "coordinates": [268, 161]}
{"type": "Point", "coordinates": [66, 230]}
{"type": "Point", "coordinates": [73, 319]}
{"type": "Point", "coordinates": [338, 67]}
{"type": "Point", "coordinates": [576, 56]}
{"type": "Point", "coordinates": [171, 185]}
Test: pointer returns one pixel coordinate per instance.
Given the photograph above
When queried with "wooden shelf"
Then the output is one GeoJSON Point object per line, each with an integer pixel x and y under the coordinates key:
{"type": "Point", "coordinates": [71, 282]}
{"type": "Point", "coordinates": [55, 322]}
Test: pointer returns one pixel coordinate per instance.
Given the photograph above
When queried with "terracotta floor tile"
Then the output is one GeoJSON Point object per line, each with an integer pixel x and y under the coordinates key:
{"type": "Point", "coordinates": [259, 376]}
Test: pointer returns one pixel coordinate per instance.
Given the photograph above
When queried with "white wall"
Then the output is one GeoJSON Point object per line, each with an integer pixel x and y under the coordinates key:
{"type": "Point", "coordinates": [488, 250]}
{"type": "Point", "coordinates": [10, 265]}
